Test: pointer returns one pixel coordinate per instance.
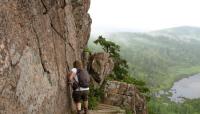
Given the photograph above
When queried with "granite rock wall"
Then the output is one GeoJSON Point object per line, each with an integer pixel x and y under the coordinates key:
{"type": "Point", "coordinates": [39, 39]}
{"type": "Point", "coordinates": [126, 96]}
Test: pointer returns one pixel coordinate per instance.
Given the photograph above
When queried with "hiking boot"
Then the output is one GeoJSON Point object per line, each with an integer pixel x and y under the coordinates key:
{"type": "Point", "coordinates": [79, 112]}
{"type": "Point", "coordinates": [85, 111]}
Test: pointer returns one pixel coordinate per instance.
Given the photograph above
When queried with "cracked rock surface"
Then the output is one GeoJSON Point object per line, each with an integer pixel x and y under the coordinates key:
{"type": "Point", "coordinates": [100, 66]}
{"type": "Point", "coordinates": [39, 39]}
{"type": "Point", "coordinates": [125, 95]}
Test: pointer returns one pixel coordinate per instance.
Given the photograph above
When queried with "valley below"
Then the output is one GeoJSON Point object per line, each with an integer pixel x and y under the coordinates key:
{"type": "Point", "coordinates": [168, 61]}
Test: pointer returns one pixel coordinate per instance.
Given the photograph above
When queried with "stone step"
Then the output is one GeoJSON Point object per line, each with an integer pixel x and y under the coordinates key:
{"type": "Point", "coordinates": [107, 109]}
{"type": "Point", "coordinates": [105, 106]}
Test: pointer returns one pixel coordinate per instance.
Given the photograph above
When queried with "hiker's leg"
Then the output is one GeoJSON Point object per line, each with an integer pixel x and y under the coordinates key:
{"type": "Point", "coordinates": [85, 104]}
{"type": "Point", "coordinates": [77, 100]}
{"type": "Point", "coordinates": [85, 101]}
{"type": "Point", "coordinates": [78, 107]}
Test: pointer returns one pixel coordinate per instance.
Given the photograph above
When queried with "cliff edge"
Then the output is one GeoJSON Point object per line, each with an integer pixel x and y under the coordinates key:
{"type": "Point", "coordinates": [39, 39]}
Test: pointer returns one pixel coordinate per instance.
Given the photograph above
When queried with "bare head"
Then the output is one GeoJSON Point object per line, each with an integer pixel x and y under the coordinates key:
{"type": "Point", "coordinates": [78, 64]}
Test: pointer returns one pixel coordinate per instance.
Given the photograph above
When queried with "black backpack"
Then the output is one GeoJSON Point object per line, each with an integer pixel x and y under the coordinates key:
{"type": "Point", "coordinates": [83, 79]}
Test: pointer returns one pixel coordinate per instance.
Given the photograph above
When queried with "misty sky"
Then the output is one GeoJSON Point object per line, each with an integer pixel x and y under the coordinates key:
{"type": "Point", "coordinates": [143, 15]}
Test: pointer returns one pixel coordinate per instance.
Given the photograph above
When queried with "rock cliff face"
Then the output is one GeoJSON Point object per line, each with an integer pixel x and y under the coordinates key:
{"type": "Point", "coordinates": [39, 39]}
{"type": "Point", "coordinates": [100, 65]}
{"type": "Point", "coordinates": [125, 95]}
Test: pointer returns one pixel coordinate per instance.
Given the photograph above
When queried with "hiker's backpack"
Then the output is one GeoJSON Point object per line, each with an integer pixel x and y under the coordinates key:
{"type": "Point", "coordinates": [83, 79]}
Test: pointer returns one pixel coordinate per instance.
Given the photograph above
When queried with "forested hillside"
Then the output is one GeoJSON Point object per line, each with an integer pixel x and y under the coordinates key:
{"type": "Point", "coordinates": [160, 57]}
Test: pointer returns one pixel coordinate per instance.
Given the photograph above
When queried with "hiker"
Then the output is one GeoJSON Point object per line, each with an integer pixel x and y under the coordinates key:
{"type": "Point", "coordinates": [80, 79]}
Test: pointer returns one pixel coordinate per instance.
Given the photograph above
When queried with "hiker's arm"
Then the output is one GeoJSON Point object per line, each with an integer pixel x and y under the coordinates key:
{"type": "Point", "coordinates": [71, 76]}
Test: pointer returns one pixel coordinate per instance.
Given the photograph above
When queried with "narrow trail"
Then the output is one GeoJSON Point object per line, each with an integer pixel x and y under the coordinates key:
{"type": "Point", "coordinates": [107, 109]}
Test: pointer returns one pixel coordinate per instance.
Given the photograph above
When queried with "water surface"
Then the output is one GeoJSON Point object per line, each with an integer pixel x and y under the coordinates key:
{"type": "Point", "coordinates": [186, 88]}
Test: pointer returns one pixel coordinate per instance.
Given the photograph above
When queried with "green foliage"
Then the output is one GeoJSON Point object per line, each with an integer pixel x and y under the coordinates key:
{"type": "Point", "coordinates": [120, 65]}
{"type": "Point", "coordinates": [120, 68]}
{"type": "Point", "coordinates": [108, 46]}
{"type": "Point", "coordinates": [128, 111]}
{"type": "Point", "coordinates": [87, 50]}
{"type": "Point", "coordinates": [164, 106]}
{"type": "Point", "coordinates": [141, 85]}
{"type": "Point", "coordinates": [132, 80]}
{"type": "Point", "coordinates": [161, 59]}
{"type": "Point", "coordinates": [95, 96]}
{"type": "Point", "coordinates": [120, 71]}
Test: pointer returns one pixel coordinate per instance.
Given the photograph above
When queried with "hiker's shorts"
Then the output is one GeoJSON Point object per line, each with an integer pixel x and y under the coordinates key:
{"type": "Point", "coordinates": [80, 95]}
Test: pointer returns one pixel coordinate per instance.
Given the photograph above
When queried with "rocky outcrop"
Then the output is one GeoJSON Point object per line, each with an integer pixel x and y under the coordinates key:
{"type": "Point", "coordinates": [39, 39]}
{"type": "Point", "coordinates": [100, 65]}
{"type": "Point", "coordinates": [125, 95]}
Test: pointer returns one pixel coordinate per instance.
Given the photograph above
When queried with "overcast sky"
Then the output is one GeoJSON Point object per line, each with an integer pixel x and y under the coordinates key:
{"type": "Point", "coordinates": [144, 14]}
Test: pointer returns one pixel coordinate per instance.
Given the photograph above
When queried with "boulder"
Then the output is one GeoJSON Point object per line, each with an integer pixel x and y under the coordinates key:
{"type": "Point", "coordinates": [100, 66]}
{"type": "Point", "coordinates": [124, 95]}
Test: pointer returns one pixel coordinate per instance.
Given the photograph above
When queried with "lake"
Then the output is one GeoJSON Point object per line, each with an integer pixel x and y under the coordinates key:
{"type": "Point", "coordinates": [186, 88]}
